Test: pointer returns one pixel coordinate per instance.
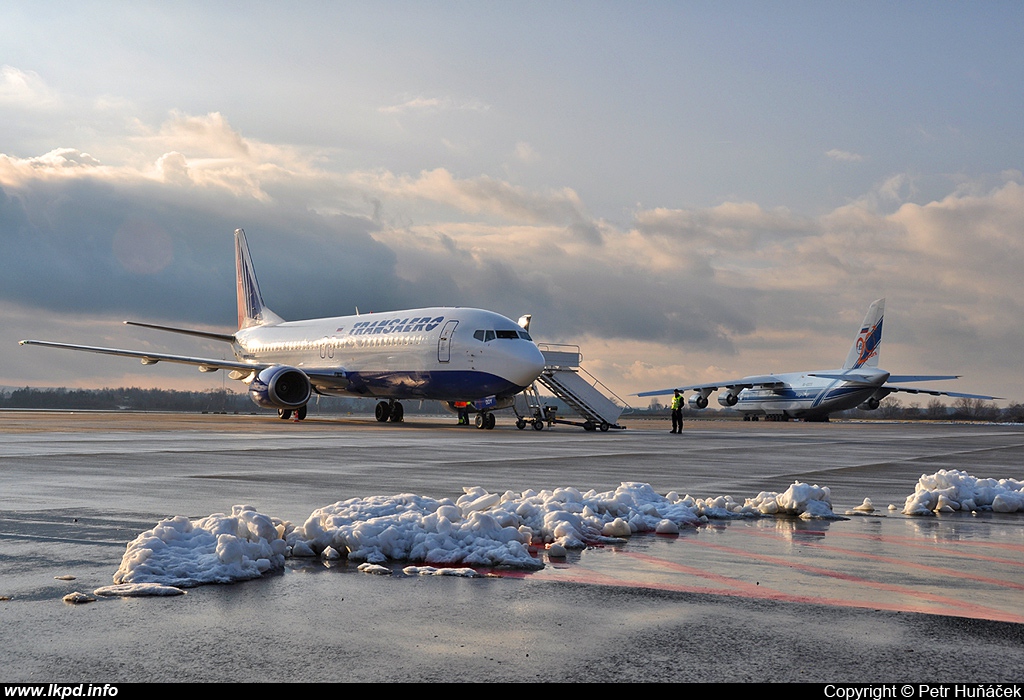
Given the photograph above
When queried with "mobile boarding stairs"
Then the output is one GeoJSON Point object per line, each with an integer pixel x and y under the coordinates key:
{"type": "Point", "coordinates": [581, 391]}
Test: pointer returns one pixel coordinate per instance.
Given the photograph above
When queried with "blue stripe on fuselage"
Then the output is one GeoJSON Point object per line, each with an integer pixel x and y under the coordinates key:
{"type": "Point", "coordinates": [441, 385]}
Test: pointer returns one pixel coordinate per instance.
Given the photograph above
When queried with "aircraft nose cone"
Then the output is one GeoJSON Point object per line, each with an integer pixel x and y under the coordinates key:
{"type": "Point", "coordinates": [526, 365]}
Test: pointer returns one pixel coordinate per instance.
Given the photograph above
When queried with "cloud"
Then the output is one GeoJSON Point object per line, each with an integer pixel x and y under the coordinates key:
{"type": "Point", "coordinates": [526, 153]}
{"type": "Point", "coordinates": [431, 105]}
{"type": "Point", "coordinates": [844, 156]}
{"type": "Point", "coordinates": [483, 196]}
{"type": "Point", "coordinates": [26, 90]}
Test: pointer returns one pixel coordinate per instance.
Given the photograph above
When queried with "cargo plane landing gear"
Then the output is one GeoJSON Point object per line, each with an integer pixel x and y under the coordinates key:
{"type": "Point", "coordinates": [389, 410]}
{"type": "Point", "coordinates": [485, 420]}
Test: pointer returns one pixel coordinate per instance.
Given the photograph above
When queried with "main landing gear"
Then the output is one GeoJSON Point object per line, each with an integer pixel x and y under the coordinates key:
{"type": "Point", "coordinates": [286, 413]}
{"type": "Point", "coordinates": [389, 411]}
{"type": "Point", "coordinates": [485, 421]}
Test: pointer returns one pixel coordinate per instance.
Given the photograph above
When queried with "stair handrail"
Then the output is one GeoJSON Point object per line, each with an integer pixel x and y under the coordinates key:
{"type": "Point", "coordinates": [603, 388]}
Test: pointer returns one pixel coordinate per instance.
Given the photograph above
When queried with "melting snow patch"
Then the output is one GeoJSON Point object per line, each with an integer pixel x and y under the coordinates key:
{"type": "Point", "coordinates": [137, 590]}
{"type": "Point", "coordinates": [368, 568]}
{"type": "Point", "coordinates": [78, 598]}
{"type": "Point", "coordinates": [431, 571]}
{"type": "Point", "coordinates": [954, 490]}
{"type": "Point", "coordinates": [867, 506]}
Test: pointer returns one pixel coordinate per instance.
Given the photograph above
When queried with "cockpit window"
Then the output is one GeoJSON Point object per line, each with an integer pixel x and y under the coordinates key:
{"type": "Point", "coordinates": [487, 336]}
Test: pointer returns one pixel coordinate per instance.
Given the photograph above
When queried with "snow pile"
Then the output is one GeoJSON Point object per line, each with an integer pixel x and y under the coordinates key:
{"type": "Point", "coordinates": [800, 499]}
{"type": "Point", "coordinates": [479, 529]}
{"type": "Point", "coordinates": [953, 490]}
{"type": "Point", "coordinates": [416, 528]}
{"type": "Point", "coordinates": [216, 549]}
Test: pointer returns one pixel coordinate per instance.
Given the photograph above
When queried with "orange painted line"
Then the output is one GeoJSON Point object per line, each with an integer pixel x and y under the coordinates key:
{"type": "Point", "coordinates": [900, 562]}
{"type": "Point", "coordinates": [970, 609]}
{"type": "Point", "coordinates": [952, 548]}
{"type": "Point", "coordinates": [586, 576]}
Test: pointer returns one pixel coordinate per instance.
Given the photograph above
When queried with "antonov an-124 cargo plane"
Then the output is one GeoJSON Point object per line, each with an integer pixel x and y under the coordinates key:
{"type": "Point", "coordinates": [469, 357]}
{"type": "Point", "coordinates": [812, 396]}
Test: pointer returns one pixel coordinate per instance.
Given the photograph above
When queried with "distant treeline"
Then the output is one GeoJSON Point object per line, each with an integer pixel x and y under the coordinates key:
{"type": "Point", "coordinates": [891, 408]}
{"type": "Point", "coordinates": [213, 401]}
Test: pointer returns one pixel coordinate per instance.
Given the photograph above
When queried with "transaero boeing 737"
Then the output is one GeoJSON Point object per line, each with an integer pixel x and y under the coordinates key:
{"type": "Point", "coordinates": [453, 355]}
{"type": "Point", "coordinates": [812, 396]}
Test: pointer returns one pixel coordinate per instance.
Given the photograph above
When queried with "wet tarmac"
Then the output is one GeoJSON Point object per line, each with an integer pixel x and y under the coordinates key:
{"type": "Point", "coordinates": [878, 597]}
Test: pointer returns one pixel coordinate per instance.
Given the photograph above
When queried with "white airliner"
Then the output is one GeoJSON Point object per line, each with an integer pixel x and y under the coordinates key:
{"type": "Point", "coordinates": [454, 355]}
{"type": "Point", "coordinates": [812, 396]}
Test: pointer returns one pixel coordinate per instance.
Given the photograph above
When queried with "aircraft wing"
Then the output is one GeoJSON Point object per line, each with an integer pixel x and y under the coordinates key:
{"type": "Point", "coordinates": [892, 388]}
{"type": "Point", "coordinates": [151, 358]}
{"type": "Point", "coordinates": [334, 378]}
{"type": "Point", "coordinates": [769, 381]}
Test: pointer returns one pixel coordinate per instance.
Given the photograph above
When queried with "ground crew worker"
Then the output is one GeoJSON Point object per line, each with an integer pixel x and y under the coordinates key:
{"type": "Point", "coordinates": [677, 412]}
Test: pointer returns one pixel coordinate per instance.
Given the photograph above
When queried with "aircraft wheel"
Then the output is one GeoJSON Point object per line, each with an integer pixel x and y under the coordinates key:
{"type": "Point", "coordinates": [604, 427]}
{"type": "Point", "coordinates": [397, 413]}
{"type": "Point", "coordinates": [520, 423]}
{"type": "Point", "coordinates": [479, 422]}
{"type": "Point", "coordinates": [382, 412]}
{"type": "Point", "coordinates": [284, 413]}
{"type": "Point", "coordinates": [489, 421]}
{"type": "Point", "coordinates": [538, 425]}
{"type": "Point", "coordinates": [300, 413]}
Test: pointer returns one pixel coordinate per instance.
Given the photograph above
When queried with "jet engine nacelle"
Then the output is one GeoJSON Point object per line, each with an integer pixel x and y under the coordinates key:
{"type": "Point", "coordinates": [728, 399]}
{"type": "Point", "coordinates": [698, 401]}
{"type": "Point", "coordinates": [869, 405]}
{"type": "Point", "coordinates": [280, 387]}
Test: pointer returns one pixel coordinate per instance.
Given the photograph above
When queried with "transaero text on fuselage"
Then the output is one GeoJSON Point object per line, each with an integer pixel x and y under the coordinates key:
{"type": "Point", "coordinates": [394, 325]}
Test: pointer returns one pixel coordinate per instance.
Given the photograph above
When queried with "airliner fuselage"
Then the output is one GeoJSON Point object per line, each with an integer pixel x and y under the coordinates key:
{"type": "Point", "coordinates": [442, 353]}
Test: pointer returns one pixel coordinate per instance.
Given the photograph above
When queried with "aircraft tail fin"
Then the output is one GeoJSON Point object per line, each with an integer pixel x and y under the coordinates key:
{"type": "Point", "coordinates": [864, 352]}
{"type": "Point", "coordinates": [251, 311]}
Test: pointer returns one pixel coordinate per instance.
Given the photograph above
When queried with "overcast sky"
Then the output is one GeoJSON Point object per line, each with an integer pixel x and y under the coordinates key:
{"type": "Point", "coordinates": [689, 191]}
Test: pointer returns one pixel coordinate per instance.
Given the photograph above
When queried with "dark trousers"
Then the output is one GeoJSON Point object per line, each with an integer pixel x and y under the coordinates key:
{"type": "Point", "coordinates": [677, 420]}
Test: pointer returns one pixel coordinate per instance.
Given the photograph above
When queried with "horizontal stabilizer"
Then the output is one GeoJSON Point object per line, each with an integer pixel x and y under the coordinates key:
{"type": "Point", "coordinates": [936, 392]}
{"type": "Point", "coordinates": [922, 377]}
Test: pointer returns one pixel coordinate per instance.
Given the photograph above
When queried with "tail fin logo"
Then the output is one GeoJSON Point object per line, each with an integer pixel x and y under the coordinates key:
{"type": "Point", "coordinates": [250, 302]}
{"type": "Point", "coordinates": [867, 344]}
{"type": "Point", "coordinates": [864, 350]}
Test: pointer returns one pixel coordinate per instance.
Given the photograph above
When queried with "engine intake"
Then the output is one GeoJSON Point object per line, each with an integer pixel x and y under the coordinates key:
{"type": "Point", "coordinates": [698, 401]}
{"type": "Point", "coordinates": [280, 387]}
{"type": "Point", "coordinates": [728, 399]}
{"type": "Point", "coordinates": [869, 405]}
